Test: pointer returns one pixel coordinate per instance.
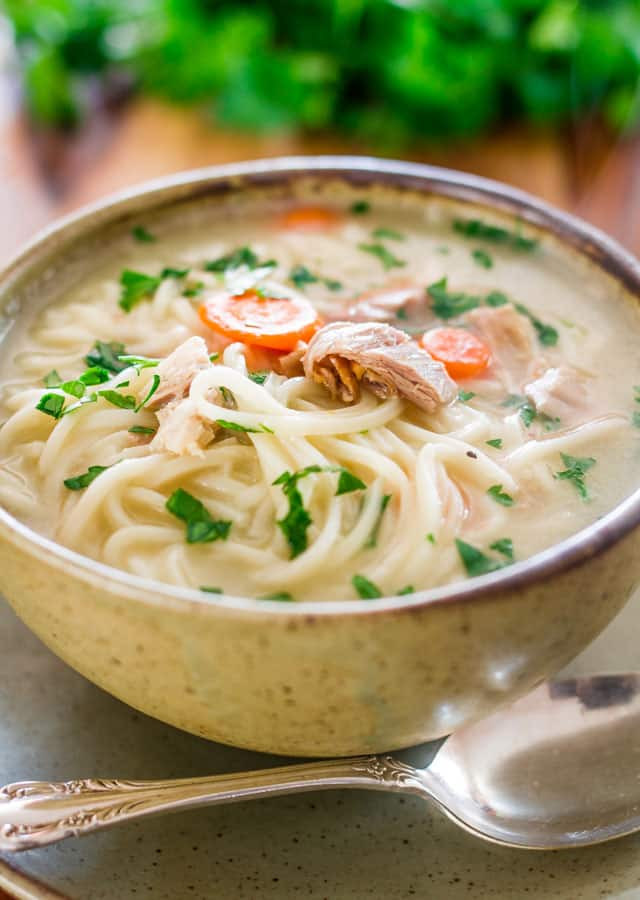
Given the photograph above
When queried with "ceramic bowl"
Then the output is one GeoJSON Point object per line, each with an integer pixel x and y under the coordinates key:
{"type": "Point", "coordinates": [316, 679]}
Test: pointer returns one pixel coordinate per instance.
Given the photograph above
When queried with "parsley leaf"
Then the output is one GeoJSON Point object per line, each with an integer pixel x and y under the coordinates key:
{"type": "Point", "coordinates": [348, 482]}
{"type": "Point", "coordinates": [365, 589]}
{"type": "Point", "coordinates": [447, 304]}
{"type": "Point", "coordinates": [201, 528]}
{"type": "Point", "coordinates": [140, 233]}
{"type": "Point", "coordinates": [74, 388]}
{"type": "Point", "coordinates": [360, 207]}
{"type": "Point", "coordinates": [51, 404]}
{"type": "Point", "coordinates": [124, 401]}
{"type": "Point", "coordinates": [430, 537]}
{"type": "Point", "coordinates": [258, 377]}
{"type": "Point", "coordinates": [388, 233]}
{"type": "Point", "coordinates": [372, 540]}
{"type": "Point", "coordinates": [241, 256]}
{"type": "Point", "coordinates": [300, 276]}
{"type": "Point", "coordinates": [503, 546]}
{"type": "Point", "coordinates": [106, 354]}
{"type": "Point", "coordinates": [154, 387]}
{"type": "Point", "coordinates": [635, 419]}
{"type": "Point", "coordinates": [475, 561]}
{"type": "Point", "coordinates": [52, 379]}
{"type": "Point", "coordinates": [527, 410]}
{"type": "Point", "coordinates": [211, 590]}
{"type": "Point", "coordinates": [576, 468]}
{"type": "Point", "coordinates": [141, 429]}
{"type": "Point", "coordinates": [194, 290]}
{"type": "Point", "coordinates": [465, 395]}
{"type": "Point", "coordinates": [386, 257]}
{"type": "Point", "coordinates": [135, 287]}
{"type": "Point", "coordinates": [496, 298]}
{"type": "Point", "coordinates": [495, 442]}
{"type": "Point", "coordinates": [140, 362]}
{"type": "Point", "coordinates": [482, 258]}
{"type": "Point", "coordinates": [77, 482]}
{"type": "Point", "coordinates": [281, 596]}
{"type": "Point", "coordinates": [409, 589]}
{"type": "Point", "coordinates": [500, 496]}
{"type": "Point", "coordinates": [174, 273]}
{"type": "Point", "coordinates": [476, 228]}
{"type": "Point", "coordinates": [547, 334]}
{"type": "Point", "coordinates": [95, 375]}
{"type": "Point", "coordinates": [332, 284]}
{"type": "Point", "coordinates": [235, 426]}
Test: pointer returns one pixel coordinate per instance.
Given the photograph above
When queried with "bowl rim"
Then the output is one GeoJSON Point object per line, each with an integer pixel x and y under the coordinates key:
{"type": "Point", "coordinates": [364, 171]}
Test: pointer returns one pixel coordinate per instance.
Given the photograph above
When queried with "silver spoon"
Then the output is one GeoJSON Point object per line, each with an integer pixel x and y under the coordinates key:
{"type": "Point", "coordinates": [559, 768]}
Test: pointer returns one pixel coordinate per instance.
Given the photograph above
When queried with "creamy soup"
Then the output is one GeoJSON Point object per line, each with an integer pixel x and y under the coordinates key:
{"type": "Point", "coordinates": [325, 400]}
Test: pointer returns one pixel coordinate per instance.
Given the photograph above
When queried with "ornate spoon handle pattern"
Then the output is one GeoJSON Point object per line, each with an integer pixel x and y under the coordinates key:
{"type": "Point", "coordinates": [37, 813]}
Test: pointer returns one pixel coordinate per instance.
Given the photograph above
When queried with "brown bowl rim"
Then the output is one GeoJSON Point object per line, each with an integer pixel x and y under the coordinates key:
{"type": "Point", "coordinates": [364, 171]}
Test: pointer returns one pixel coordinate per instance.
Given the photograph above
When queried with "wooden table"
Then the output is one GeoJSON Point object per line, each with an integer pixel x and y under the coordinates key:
{"type": "Point", "coordinates": [43, 176]}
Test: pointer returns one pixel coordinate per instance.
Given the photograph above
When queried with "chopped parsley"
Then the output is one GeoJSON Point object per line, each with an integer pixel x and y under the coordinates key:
{"type": "Point", "coordinates": [154, 387]}
{"type": "Point", "coordinates": [495, 442]}
{"type": "Point", "coordinates": [475, 561]}
{"type": "Point", "coordinates": [241, 256]}
{"type": "Point", "coordinates": [464, 396]}
{"type": "Point", "coordinates": [174, 273]}
{"type": "Point", "coordinates": [430, 537]}
{"type": "Point", "coordinates": [214, 356]}
{"type": "Point", "coordinates": [635, 418]}
{"type": "Point", "coordinates": [140, 362]}
{"type": "Point", "coordinates": [300, 276]}
{"type": "Point", "coordinates": [476, 228]}
{"type": "Point", "coordinates": [92, 398]}
{"type": "Point", "coordinates": [402, 313]}
{"type": "Point", "coordinates": [211, 590]}
{"type": "Point", "coordinates": [482, 258]}
{"type": "Point", "coordinates": [332, 284]}
{"type": "Point", "coordinates": [51, 379]}
{"type": "Point", "coordinates": [503, 546]}
{"type": "Point", "coordinates": [141, 429]}
{"type": "Point", "coordinates": [527, 410]}
{"type": "Point", "coordinates": [365, 589]}
{"type": "Point", "coordinates": [447, 304]}
{"type": "Point", "coordinates": [576, 468]}
{"type": "Point", "coordinates": [73, 388]}
{"type": "Point", "coordinates": [360, 207]}
{"type": "Point", "coordinates": [107, 355]}
{"type": "Point", "coordinates": [386, 257]}
{"type": "Point", "coordinates": [409, 589]}
{"type": "Point", "coordinates": [389, 233]}
{"type": "Point", "coordinates": [140, 233]}
{"type": "Point", "coordinates": [236, 426]}
{"type": "Point", "coordinates": [500, 496]}
{"type": "Point", "coordinates": [295, 524]}
{"type": "Point", "coordinates": [496, 298]}
{"type": "Point", "coordinates": [194, 290]}
{"type": "Point", "coordinates": [95, 375]}
{"type": "Point", "coordinates": [547, 334]}
{"type": "Point", "coordinates": [201, 528]}
{"type": "Point", "coordinates": [372, 540]}
{"type": "Point", "coordinates": [78, 482]}
{"type": "Point", "coordinates": [258, 377]}
{"type": "Point", "coordinates": [51, 404]}
{"type": "Point", "coordinates": [280, 596]}
{"type": "Point", "coordinates": [124, 401]}
{"type": "Point", "coordinates": [135, 287]}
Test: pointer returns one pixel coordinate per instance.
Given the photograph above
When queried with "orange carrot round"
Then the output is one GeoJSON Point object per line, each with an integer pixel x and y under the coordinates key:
{"type": "Point", "coordinates": [461, 352]}
{"type": "Point", "coordinates": [310, 218]}
{"type": "Point", "coordinates": [254, 318]}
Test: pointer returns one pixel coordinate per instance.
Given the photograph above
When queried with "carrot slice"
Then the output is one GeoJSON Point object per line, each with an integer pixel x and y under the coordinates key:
{"type": "Point", "coordinates": [462, 353]}
{"type": "Point", "coordinates": [253, 318]}
{"type": "Point", "coordinates": [310, 218]}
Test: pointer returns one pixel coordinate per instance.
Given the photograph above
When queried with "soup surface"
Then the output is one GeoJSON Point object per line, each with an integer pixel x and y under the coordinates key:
{"type": "Point", "coordinates": [320, 401]}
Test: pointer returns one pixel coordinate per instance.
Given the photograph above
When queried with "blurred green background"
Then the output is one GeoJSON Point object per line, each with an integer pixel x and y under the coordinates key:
{"type": "Point", "coordinates": [387, 71]}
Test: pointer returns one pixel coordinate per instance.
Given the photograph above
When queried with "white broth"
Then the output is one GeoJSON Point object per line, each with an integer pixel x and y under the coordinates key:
{"type": "Point", "coordinates": [333, 480]}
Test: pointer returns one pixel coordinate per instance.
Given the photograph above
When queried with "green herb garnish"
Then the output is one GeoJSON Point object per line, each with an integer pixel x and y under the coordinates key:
{"type": "Point", "coordinates": [73, 388]}
{"type": "Point", "coordinates": [409, 589]}
{"type": "Point", "coordinates": [95, 375]}
{"type": "Point", "coordinates": [386, 257]}
{"type": "Point", "coordinates": [194, 290]}
{"type": "Point", "coordinates": [236, 426]}
{"type": "Point", "coordinates": [135, 287]}
{"type": "Point", "coordinates": [201, 528]}
{"type": "Point", "coordinates": [280, 596]}
{"type": "Point", "coordinates": [140, 362]}
{"type": "Point", "coordinates": [258, 377]}
{"type": "Point", "coordinates": [495, 442]}
{"type": "Point", "coordinates": [547, 334]}
{"type": "Point", "coordinates": [348, 482]}
{"type": "Point", "coordinates": [448, 304]}
{"type": "Point", "coordinates": [51, 404]}
{"type": "Point", "coordinates": [300, 276]}
{"type": "Point", "coordinates": [430, 537]}
{"type": "Point", "coordinates": [154, 387]}
{"type": "Point", "coordinates": [140, 233]}
{"type": "Point", "coordinates": [503, 546]}
{"type": "Point", "coordinates": [402, 314]}
{"type": "Point", "coordinates": [77, 482]}
{"type": "Point", "coordinates": [372, 540]}
{"type": "Point", "coordinates": [500, 496]}
{"type": "Point", "coordinates": [124, 401]}
{"type": "Point", "coordinates": [365, 589]}
{"type": "Point", "coordinates": [52, 379]}
{"type": "Point", "coordinates": [174, 273]}
{"type": "Point", "coordinates": [106, 354]}
{"type": "Point", "coordinates": [475, 561]}
{"type": "Point", "coordinates": [576, 468]}
{"type": "Point", "coordinates": [360, 207]}
{"type": "Point", "coordinates": [388, 233]}
{"type": "Point", "coordinates": [332, 284]}
{"type": "Point", "coordinates": [476, 228]}
{"type": "Point", "coordinates": [482, 258]}
{"type": "Point", "coordinates": [464, 396]}
{"type": "Point", "coordinates": [496, 298]}
{"type": "Point", "coordinates": [527, 410]}
{"type": "Point", "coordinates": [211, 590]}
{"type": "Point", "coordinates": [141, 429]}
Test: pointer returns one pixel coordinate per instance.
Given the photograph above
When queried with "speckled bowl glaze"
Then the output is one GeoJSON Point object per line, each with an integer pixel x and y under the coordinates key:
{"type": "Point", "coordinates": [315, 679]}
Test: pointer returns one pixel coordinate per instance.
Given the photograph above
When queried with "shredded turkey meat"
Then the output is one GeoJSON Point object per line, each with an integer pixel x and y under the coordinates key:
{"type": "Point", "coordinates": [510, 337]}
{"type": "Point", "coordinates": [180, 429]}
{"type": "Point", "coordinates": [343, 356]}
{"type": "Point", "coordinates": [382, 304]}
{"type": "Point", "coordinates": [560, 393]}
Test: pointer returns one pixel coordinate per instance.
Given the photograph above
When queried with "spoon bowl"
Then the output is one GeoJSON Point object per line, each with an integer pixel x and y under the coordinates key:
{"type": "Point", "coordinates": [559, 768]}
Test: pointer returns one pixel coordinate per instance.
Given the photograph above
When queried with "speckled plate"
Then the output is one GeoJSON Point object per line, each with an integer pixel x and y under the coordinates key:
{"type": "Point", "coordinates": [56, 725]}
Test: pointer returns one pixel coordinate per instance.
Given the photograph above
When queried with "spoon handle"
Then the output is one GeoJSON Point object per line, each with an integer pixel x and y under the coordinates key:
{"type": "Point", "coordinates": [37, 813]}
